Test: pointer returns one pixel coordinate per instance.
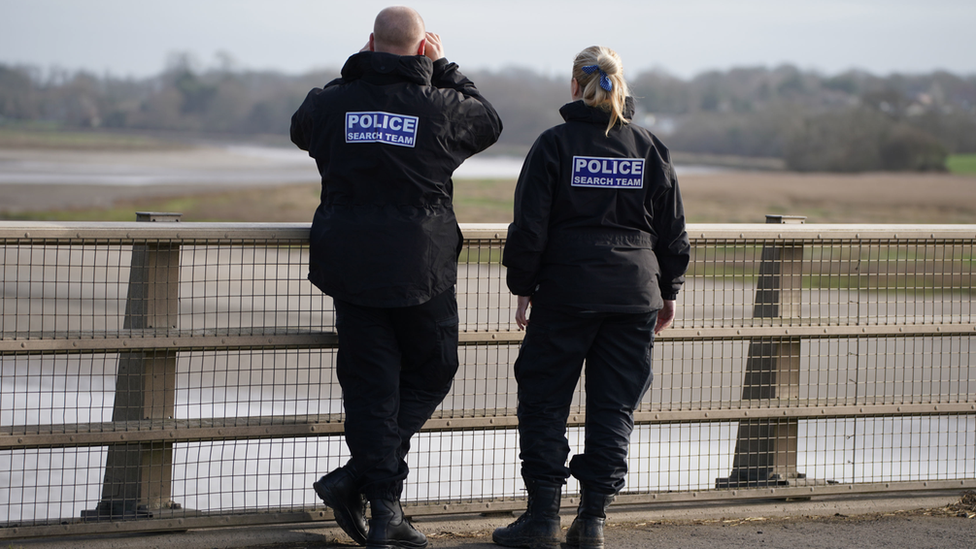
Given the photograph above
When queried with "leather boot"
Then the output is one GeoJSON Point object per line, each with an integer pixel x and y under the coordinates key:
{"type": "Point", "coordinates": [338, 490]}
{"type": "Point", "coordinates": [389, 529]}
{"type": "Point", "coordinates": [586, 532]}
{"type": "Point", "coordinates": [538, 527]}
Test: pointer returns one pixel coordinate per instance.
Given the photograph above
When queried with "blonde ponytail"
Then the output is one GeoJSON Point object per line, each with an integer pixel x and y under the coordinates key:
{"type": "Point", "coordinates": [600, 75]}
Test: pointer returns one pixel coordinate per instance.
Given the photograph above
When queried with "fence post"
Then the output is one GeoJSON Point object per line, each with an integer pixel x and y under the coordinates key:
{"type": "Point", "coordinates": [765, 449]}
{"type": "Point", "coordinates": [138, 477]}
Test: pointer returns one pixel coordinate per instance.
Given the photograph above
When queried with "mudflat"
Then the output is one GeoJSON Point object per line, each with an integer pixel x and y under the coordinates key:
{"type": "Point", "coordinates": [745, 197]}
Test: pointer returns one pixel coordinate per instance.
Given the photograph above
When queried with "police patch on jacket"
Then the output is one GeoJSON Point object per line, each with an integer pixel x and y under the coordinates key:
{"type": "Point", "coordinates": [381, 127]}
{"type": "Point", "coordinates": [608, 173]}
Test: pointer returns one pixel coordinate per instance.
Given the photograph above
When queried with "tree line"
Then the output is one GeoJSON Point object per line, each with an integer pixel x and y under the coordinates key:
{"type": "Point", "coordinates": [854, 121]}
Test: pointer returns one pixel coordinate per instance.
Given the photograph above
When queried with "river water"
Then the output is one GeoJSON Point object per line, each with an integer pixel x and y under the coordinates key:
{"type": "Point", "coordinates": [214, 166]}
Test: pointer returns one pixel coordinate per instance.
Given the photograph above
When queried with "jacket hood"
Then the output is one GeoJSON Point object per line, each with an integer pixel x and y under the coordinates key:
{"type": "Point", "coordinates": [381, 67]}
{"type": "Point", "coordinates": [581, 112]}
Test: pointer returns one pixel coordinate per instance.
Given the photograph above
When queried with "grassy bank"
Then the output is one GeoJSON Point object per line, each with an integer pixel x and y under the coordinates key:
{"type": "Point", "coordinates": [476, 201]}
{"type": "Point", "coordinates": [281, 204]}
{"type": "Point", "coordinates": [50, 138]}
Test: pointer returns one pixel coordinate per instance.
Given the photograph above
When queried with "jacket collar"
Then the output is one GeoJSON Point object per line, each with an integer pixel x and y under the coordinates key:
{"type": "Point", "coordinates": [387, 68]}
{"type": "Point", "coordinates": [579, 111]}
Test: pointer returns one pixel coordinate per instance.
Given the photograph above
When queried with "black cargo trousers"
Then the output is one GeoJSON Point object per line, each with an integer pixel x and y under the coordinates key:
{"type": "Point", "coordinates": [616, 348]}
{"type": "Point", "coordinates": [395, 366]}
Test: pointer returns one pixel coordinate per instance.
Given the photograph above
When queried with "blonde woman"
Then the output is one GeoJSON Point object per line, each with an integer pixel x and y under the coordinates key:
{"type": "Point", "coordinates": [598, 248]}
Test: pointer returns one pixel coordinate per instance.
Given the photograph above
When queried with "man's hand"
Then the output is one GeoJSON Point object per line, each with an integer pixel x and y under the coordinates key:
{"type": "Point", "coordinates": [434, 49]}
{"type": "Point", "coordinates": [664, 317]}
{"type": "Point", "coordinates": [521, 313]}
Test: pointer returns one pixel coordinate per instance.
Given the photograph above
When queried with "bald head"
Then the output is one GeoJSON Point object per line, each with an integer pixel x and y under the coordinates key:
{"type": "Point", "coordinates": [399, 30]}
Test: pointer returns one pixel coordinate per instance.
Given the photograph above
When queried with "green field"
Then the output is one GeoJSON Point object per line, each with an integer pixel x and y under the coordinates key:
{"type": "Point", "coordinates": [963, 164]}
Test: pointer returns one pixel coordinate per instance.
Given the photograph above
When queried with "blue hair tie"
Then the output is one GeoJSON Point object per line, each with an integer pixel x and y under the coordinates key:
{"type": "Point", "coordinates": [605, 82]}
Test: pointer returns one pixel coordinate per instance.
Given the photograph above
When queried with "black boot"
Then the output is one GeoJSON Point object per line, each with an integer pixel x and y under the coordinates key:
{"type": "Point", "coordinates": [538, 527]}
{"type": "Point", "coordinates": [338, 490]}
{"type": "Point", "coordinates": [586, 532]}
{"type": "Point", "coordinates": [389, 529]}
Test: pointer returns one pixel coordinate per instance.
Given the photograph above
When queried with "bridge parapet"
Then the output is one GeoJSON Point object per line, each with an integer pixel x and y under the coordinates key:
{"type": "Point", "coordinates": [160, 376]}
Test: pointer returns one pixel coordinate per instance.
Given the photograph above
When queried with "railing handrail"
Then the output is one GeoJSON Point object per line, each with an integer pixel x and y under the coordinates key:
{"type": "Point", "coordinates": [131, 231]}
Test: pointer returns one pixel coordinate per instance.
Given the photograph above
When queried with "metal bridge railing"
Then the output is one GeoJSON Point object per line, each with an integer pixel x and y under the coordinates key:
{"type": "Point", "coordinates": [168, 375]}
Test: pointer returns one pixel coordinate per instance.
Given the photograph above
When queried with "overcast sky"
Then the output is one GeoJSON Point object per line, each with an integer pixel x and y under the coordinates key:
{"type": "Point", "coordinates": [684, 37]}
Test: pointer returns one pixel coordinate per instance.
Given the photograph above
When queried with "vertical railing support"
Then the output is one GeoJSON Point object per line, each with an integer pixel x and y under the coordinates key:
{"type": "Point", "coordinates": [138, 476]}
{"type": "Point", "coordinates": [765, 450]}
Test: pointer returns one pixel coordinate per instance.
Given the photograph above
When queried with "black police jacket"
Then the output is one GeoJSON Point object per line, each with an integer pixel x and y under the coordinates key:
{"type": "Point", "coordinates": [599, 224]}
{"type": "Point", "coordinates": [386, 138]}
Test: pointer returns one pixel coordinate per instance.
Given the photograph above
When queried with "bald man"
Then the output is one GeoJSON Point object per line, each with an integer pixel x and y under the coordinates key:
{"type": "Point", "coordinates": [386, 138]}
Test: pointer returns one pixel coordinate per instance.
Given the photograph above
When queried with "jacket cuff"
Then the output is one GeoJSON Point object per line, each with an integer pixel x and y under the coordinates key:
{"type": "Point", "coordinates": [440, 65]}
{"type": "Point", "coordinates": [669, 297]}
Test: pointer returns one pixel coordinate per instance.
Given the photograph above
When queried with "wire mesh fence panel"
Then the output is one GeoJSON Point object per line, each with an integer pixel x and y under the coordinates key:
{"type": "Point", "coordinates": [189, 371]}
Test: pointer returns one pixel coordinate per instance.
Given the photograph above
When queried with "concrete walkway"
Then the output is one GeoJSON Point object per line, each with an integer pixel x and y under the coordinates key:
{"type": "Point", "coordinates": [916, 521]}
